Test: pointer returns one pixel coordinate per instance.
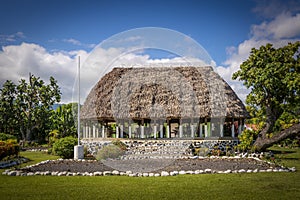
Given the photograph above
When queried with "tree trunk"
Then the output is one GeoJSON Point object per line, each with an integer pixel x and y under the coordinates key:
{"type": "Point", "coordinates": [262, 143]}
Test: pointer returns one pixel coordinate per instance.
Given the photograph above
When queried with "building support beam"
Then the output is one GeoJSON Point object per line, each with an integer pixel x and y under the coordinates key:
{"type": "Point", "coordinates": [117, 131]}
{"type": "Point", "coordinates": [205, 129]}
{"type": "Point", "coordinates": [161, 130]}
{"type": "Point", "coordinates": [192, 129]}
{"type": "Point", "coordinates": [103, 131]}
{"type": "Point", "coordinates": [200, 129]}
{"type": "Point", "coordinates": [121, 130]}
{"type": "Point", "coordinates": [84, 130]}
{"type": "Point", "coordinates": [94, 130]}
{"type": "Point", "coordinates": [232, 129]}
{"type": "Point", "coordinates": [129, 130]}
{"type": "Point", "coordinates": [240, 126]}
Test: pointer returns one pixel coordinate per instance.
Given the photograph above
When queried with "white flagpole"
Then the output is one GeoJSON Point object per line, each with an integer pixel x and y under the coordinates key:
{"type": "Point", "coordinates": [78, 125]}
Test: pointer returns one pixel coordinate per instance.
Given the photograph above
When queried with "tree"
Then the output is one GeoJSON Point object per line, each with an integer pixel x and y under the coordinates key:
{"type": "Point", "coordinates": [273, 75]}
{"type": "Point", "coordinates": [28, 106]}
{"type": "Point", "coordinates": [8, 123]}
{"type": "Point", "coordinates": [64, 120]}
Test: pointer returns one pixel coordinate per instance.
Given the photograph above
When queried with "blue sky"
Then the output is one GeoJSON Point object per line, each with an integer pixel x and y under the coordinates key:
{"type": "Point", "coordinates": [45, 37]}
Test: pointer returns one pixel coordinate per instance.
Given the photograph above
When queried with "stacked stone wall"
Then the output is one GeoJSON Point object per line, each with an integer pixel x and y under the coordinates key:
{"type": "Point", "coordinates": [138, 149]}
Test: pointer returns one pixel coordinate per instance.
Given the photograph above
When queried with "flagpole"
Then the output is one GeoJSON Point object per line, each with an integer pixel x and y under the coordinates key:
{"type": "Point", "coordinates": [78, 125]}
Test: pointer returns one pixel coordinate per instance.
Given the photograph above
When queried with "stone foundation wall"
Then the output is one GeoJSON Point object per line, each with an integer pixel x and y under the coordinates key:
{"type": "Point", "coordinates": [138, 149]}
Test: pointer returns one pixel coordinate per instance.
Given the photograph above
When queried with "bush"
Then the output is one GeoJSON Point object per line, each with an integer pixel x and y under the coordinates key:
{"type": "Point", "coordinates": [64, 147]}
{"type": "Point", "coordinates": [4, 137]}
{"type": "Point", "coordinates": [110, 151]}
{"type": "Point", "coordinates": [247, 139]}
{"type": "Point", "coordinates": [120, 144]}
{"type": "Point", "coordinates": [9, 148]}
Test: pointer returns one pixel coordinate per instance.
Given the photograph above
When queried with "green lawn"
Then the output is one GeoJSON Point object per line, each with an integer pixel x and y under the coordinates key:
{"type": "Point", "coordinates": [205, 186]}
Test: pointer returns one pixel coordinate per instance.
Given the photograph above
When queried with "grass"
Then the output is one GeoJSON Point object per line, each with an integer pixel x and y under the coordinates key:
{"type": "Point", "coordinates": [205, 186]}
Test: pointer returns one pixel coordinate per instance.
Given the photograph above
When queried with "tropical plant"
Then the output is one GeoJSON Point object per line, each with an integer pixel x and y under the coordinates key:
{"type": "Point", "coordinates": [25, 108]}
{"type": "Point", "coordinates": [63, 120]}
{"type": "Point", "coordinates": [110, 151]}
{"type": "Point", "coordinates": [273, 75]}
{"type": "Point", "coordinates": [64, 147]}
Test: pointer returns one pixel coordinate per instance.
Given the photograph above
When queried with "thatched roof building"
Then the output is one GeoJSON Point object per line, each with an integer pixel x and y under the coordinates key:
{"type": "Point", "coordinates": [162, 93]}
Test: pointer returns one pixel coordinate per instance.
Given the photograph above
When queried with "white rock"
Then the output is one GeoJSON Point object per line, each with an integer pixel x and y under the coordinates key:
{"type": "Point", "coordinates": [269, 170]}
{"type": "Point", "coordinates": [241, 171]}
{"type": "Point", "coordinates": [97, 173]}
{"type": "Point", "coordinates": [12, 173]}
{"type": "Point", "coordinates": [207, 170]}
{"type": "Point", "coordinates": [227, 171]}
{"type": "Point", "coordinates": [255, 171]}
{"type": "Point", "coordinates": [145, 174]}
{"type": "Point", "coordinates": [151, 174]}
{"type": "Point", "coordinates": [69, 174]}
{"type": "Point", "coordinates": [47, 173]}
{"type": "Point", "coordinates": [37, 173]}
{"type": "Point", "coordinates": [174, 173]}
{"type": "Point", "coordinates": [156, 174]}
{"type": "Point", "coordinates": [128, 172]}
{"type": "Point", "coordinates": [122, 173]}
{"type": "Point", "coordinates": [262, 170]}
{"type": "Point", "coordinates": [115, 172]}
{"type": "Point", "coordinates": [132, 175]}
{"type": "Point", "coordinates": [292, 169]}
{"type": "Point", "coordinates": [54, 173]}
{"type": "Point", "coordinates": [106, 173]}
{"type": "Point", "coordinates": [164, 173]}
{"type": "Point", "coordinates": [60, 174]}
{"type": "Point", "coordinates": [190, 172]}
{"type": "Point", "coordinates": [275, 170]}
{"type": "Point", "coordinates": [30, 174]}
{"type": "Point", "coordinates": [249, 171]}
{"type": "Point", "coordinates": [182, 172]}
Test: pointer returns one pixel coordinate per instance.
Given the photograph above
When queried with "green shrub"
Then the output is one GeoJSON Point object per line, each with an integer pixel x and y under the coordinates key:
{"type": "Point", "coordinates": [110, 151]}
{"type": "Point", "coordinates": [64, 147]}
{"type": "Point", "coordinates": [9, 147]}
{"type": "Point", "coordinates": [4, 137]}
{"type": "Point", "coordinates": [120, 144]}
{"type": "Point", "coordinates": [247, 139]}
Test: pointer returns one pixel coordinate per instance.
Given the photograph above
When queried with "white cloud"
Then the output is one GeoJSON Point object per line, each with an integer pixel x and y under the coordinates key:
{"type": "Point", "coordinates": [279, 31]}
{"type": "Point", "coordinates": [4, 39]}
{"type": "Point", "coordinates": [16, 61]}
{"type": "Point", "coordinates": [284, 25]}
{"type": "Point", "coordinates": [77, 43]}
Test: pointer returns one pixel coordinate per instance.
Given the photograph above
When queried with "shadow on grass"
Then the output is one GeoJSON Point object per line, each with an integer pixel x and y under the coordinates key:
{"type": "Point", "coordinates": [287, 151]}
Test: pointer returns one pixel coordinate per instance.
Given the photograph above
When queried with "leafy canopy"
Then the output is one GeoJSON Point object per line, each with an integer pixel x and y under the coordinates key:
{"type": "Point", "coordinates": [273, 75]}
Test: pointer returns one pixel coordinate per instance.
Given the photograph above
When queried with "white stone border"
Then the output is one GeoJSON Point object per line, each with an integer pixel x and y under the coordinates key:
{"type": "Point", "coordinates": [10, 172]}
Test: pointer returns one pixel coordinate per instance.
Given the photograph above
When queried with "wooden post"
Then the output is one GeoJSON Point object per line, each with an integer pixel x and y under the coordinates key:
{"type": "Point", "coordinates": [142, 129]}
{"type": "Point", "coordinates": [161, 130]}
{"type": "Point", "coordinates": [155, 129]}
{"type": "Point", "coordinates": [122, 130]}
{"type": "Point", "coordinates": [200, 129]}
{"type": "Point", "coordinates": [180, 129]}
{"type": "Point", "coordinates": [129, 130]}
{"type": "Point", "coordinates": [221, 128]}
{"type": "Point", "coordinates": [84, 130]}
{"type": "Point", "coordinates": [168, 128]}
{"type": "Point", "coordinates": [232, 129]}
{"type": "Point", "coordinates": [192, 128]}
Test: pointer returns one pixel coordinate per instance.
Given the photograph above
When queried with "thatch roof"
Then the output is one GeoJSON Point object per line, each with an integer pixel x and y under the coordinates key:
{"type": "Point", "coordinates": [165, 92]}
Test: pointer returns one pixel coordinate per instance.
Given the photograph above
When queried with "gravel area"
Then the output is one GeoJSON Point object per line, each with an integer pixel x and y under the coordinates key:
{"type": "Point", "coordinates": [152, 165]}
